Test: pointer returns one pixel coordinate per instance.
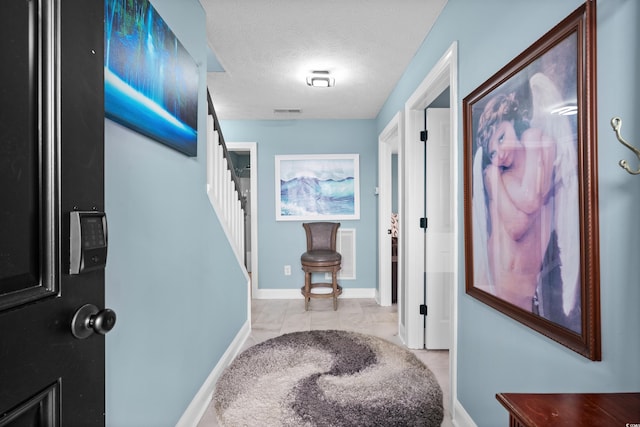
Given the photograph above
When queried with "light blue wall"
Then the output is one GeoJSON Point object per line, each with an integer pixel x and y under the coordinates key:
{"type": "Point", "coordinates": [281, 243]}
{"type": "Point", "coordinates": [171, 276]}
{"type": "Point", "coordinates": [495, 353]}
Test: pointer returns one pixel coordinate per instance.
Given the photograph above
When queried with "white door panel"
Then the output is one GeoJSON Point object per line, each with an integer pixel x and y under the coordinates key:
{"type": "Point", "coordinates": [439, 245]}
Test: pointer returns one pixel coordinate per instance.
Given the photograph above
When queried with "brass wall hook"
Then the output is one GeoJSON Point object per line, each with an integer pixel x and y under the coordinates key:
{"type": "Point", "coordinates": [616, 124]}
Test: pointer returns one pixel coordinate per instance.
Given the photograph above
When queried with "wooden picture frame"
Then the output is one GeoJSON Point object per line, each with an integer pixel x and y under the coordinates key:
{"type": "Point", "coordinates": [530, 187]}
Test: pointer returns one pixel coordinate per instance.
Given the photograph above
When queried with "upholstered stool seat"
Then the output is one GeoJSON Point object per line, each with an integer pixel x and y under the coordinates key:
{"type": "Point", "coordinates": [321, 256]}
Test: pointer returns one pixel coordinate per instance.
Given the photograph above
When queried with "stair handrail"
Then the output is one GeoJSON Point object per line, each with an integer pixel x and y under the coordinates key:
{"type": "Point", "coordinates": [234, 177]}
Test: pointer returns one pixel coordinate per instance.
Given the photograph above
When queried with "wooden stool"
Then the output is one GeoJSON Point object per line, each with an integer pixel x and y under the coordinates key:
{"type": "Point", "coordinates": [321, 256]}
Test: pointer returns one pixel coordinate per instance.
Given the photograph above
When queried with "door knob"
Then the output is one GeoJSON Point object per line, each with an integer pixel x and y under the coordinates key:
{"type": "Point", "coordinates": [88, 319]}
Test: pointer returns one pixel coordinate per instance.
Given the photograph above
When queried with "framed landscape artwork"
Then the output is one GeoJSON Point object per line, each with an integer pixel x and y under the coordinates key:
{"type": "Point", "coordinates": [530, 187]}
{"type": "Point", "coordinates": [151, 81]}
{"type": "Point", "coordinates": [317, 187]}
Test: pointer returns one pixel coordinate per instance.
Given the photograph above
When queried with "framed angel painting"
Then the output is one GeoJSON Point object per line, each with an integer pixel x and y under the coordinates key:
{"type": "Point", "coordinates": [531, 226]}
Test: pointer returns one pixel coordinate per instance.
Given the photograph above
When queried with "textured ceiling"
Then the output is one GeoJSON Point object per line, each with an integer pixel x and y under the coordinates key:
{"type": "Point", "coordinates": [268, 47]}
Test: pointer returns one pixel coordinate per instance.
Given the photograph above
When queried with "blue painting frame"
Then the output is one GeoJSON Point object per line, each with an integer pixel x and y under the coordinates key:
{"type": "Point", "coordinates": [151, 81]}
{"type": "Point", "coordinates": [317, 187]}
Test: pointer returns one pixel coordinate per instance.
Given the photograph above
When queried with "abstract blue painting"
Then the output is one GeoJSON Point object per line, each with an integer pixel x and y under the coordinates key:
{"type": "Point", "coordinates": [317, 187]}
{"type": "Point", "coordinates": [151, 81]}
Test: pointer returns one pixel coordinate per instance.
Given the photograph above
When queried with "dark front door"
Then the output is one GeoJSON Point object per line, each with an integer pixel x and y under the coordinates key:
{"type": "Point", "coordinates": [51, 164]}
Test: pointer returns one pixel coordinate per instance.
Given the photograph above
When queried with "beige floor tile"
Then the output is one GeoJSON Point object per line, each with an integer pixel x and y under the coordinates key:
{"type": "Point", "coordinates": [296, 322]}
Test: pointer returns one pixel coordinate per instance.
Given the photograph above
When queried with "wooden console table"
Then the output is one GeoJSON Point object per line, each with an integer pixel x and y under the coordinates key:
{"type": "Point", "coordinates": [590, 409]}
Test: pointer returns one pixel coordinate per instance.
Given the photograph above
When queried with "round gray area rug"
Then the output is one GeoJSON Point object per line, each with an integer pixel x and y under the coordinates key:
{"type": "Point", "coordinates": [327, 378]}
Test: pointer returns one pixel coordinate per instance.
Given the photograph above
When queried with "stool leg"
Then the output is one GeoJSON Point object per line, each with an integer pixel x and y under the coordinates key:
{"type": "Point", "coordinates": [334, 283]}
{"type": "Point", "coordinates": [307, 290]}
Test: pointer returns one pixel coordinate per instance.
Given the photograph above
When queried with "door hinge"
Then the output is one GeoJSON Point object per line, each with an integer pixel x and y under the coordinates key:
{"type": "Point", "coordinates": [423, 309]}
{"type": "Point", "coordinates": [423, 222]}
{"type": "Point", "coordinates": [424, 135]}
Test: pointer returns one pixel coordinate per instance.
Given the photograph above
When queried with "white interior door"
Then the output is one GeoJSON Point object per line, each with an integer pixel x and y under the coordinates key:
{"type": "Point", "coordinates": [439, 236]}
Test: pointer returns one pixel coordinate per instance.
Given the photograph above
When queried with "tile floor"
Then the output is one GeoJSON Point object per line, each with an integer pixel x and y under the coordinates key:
{"type": "Point", "coordinates": [271, 318]}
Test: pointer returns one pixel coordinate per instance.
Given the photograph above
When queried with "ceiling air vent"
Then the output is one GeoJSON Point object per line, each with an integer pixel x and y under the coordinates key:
{"type": "Point", "coordinates": [287, 111]}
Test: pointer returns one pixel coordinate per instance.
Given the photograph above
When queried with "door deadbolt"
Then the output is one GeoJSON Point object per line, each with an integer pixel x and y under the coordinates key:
{"type": "Point", "coordinates": [88, 319]}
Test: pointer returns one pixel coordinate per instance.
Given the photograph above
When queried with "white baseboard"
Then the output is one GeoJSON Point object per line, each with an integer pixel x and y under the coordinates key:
{"type": "Point", "coordinates": [202, 399]}
{"type": "Point", "coordinates": [295, 293]}
{"type": "Point", "coordinates": [460, 417]}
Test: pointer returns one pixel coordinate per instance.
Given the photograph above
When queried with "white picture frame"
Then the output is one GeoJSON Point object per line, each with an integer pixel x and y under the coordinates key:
{"type": "Point", "coordinates": [317, 187]}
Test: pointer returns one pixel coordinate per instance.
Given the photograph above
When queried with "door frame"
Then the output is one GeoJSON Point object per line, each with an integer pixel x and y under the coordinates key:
{"type": "Point", "coordinates": [388, 142]}
{"type": "Point", "coordinates": [252, 148]}
{"type": "Point", "coordinates": [444, 74]}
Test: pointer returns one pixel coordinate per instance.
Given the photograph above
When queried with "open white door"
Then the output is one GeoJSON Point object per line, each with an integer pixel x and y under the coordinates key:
{"type": "Point", "coordinates": [442, 75]}
{"type": "Point", "coordinates": [439, 244]}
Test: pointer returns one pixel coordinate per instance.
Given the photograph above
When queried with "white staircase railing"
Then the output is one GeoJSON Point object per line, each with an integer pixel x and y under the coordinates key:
{"type": "Point", "coordinates": [223, 192]}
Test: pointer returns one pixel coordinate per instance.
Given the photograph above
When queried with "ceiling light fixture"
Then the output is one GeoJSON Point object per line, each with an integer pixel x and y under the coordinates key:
{"type": "Point", "coordinates": [320, 79]}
